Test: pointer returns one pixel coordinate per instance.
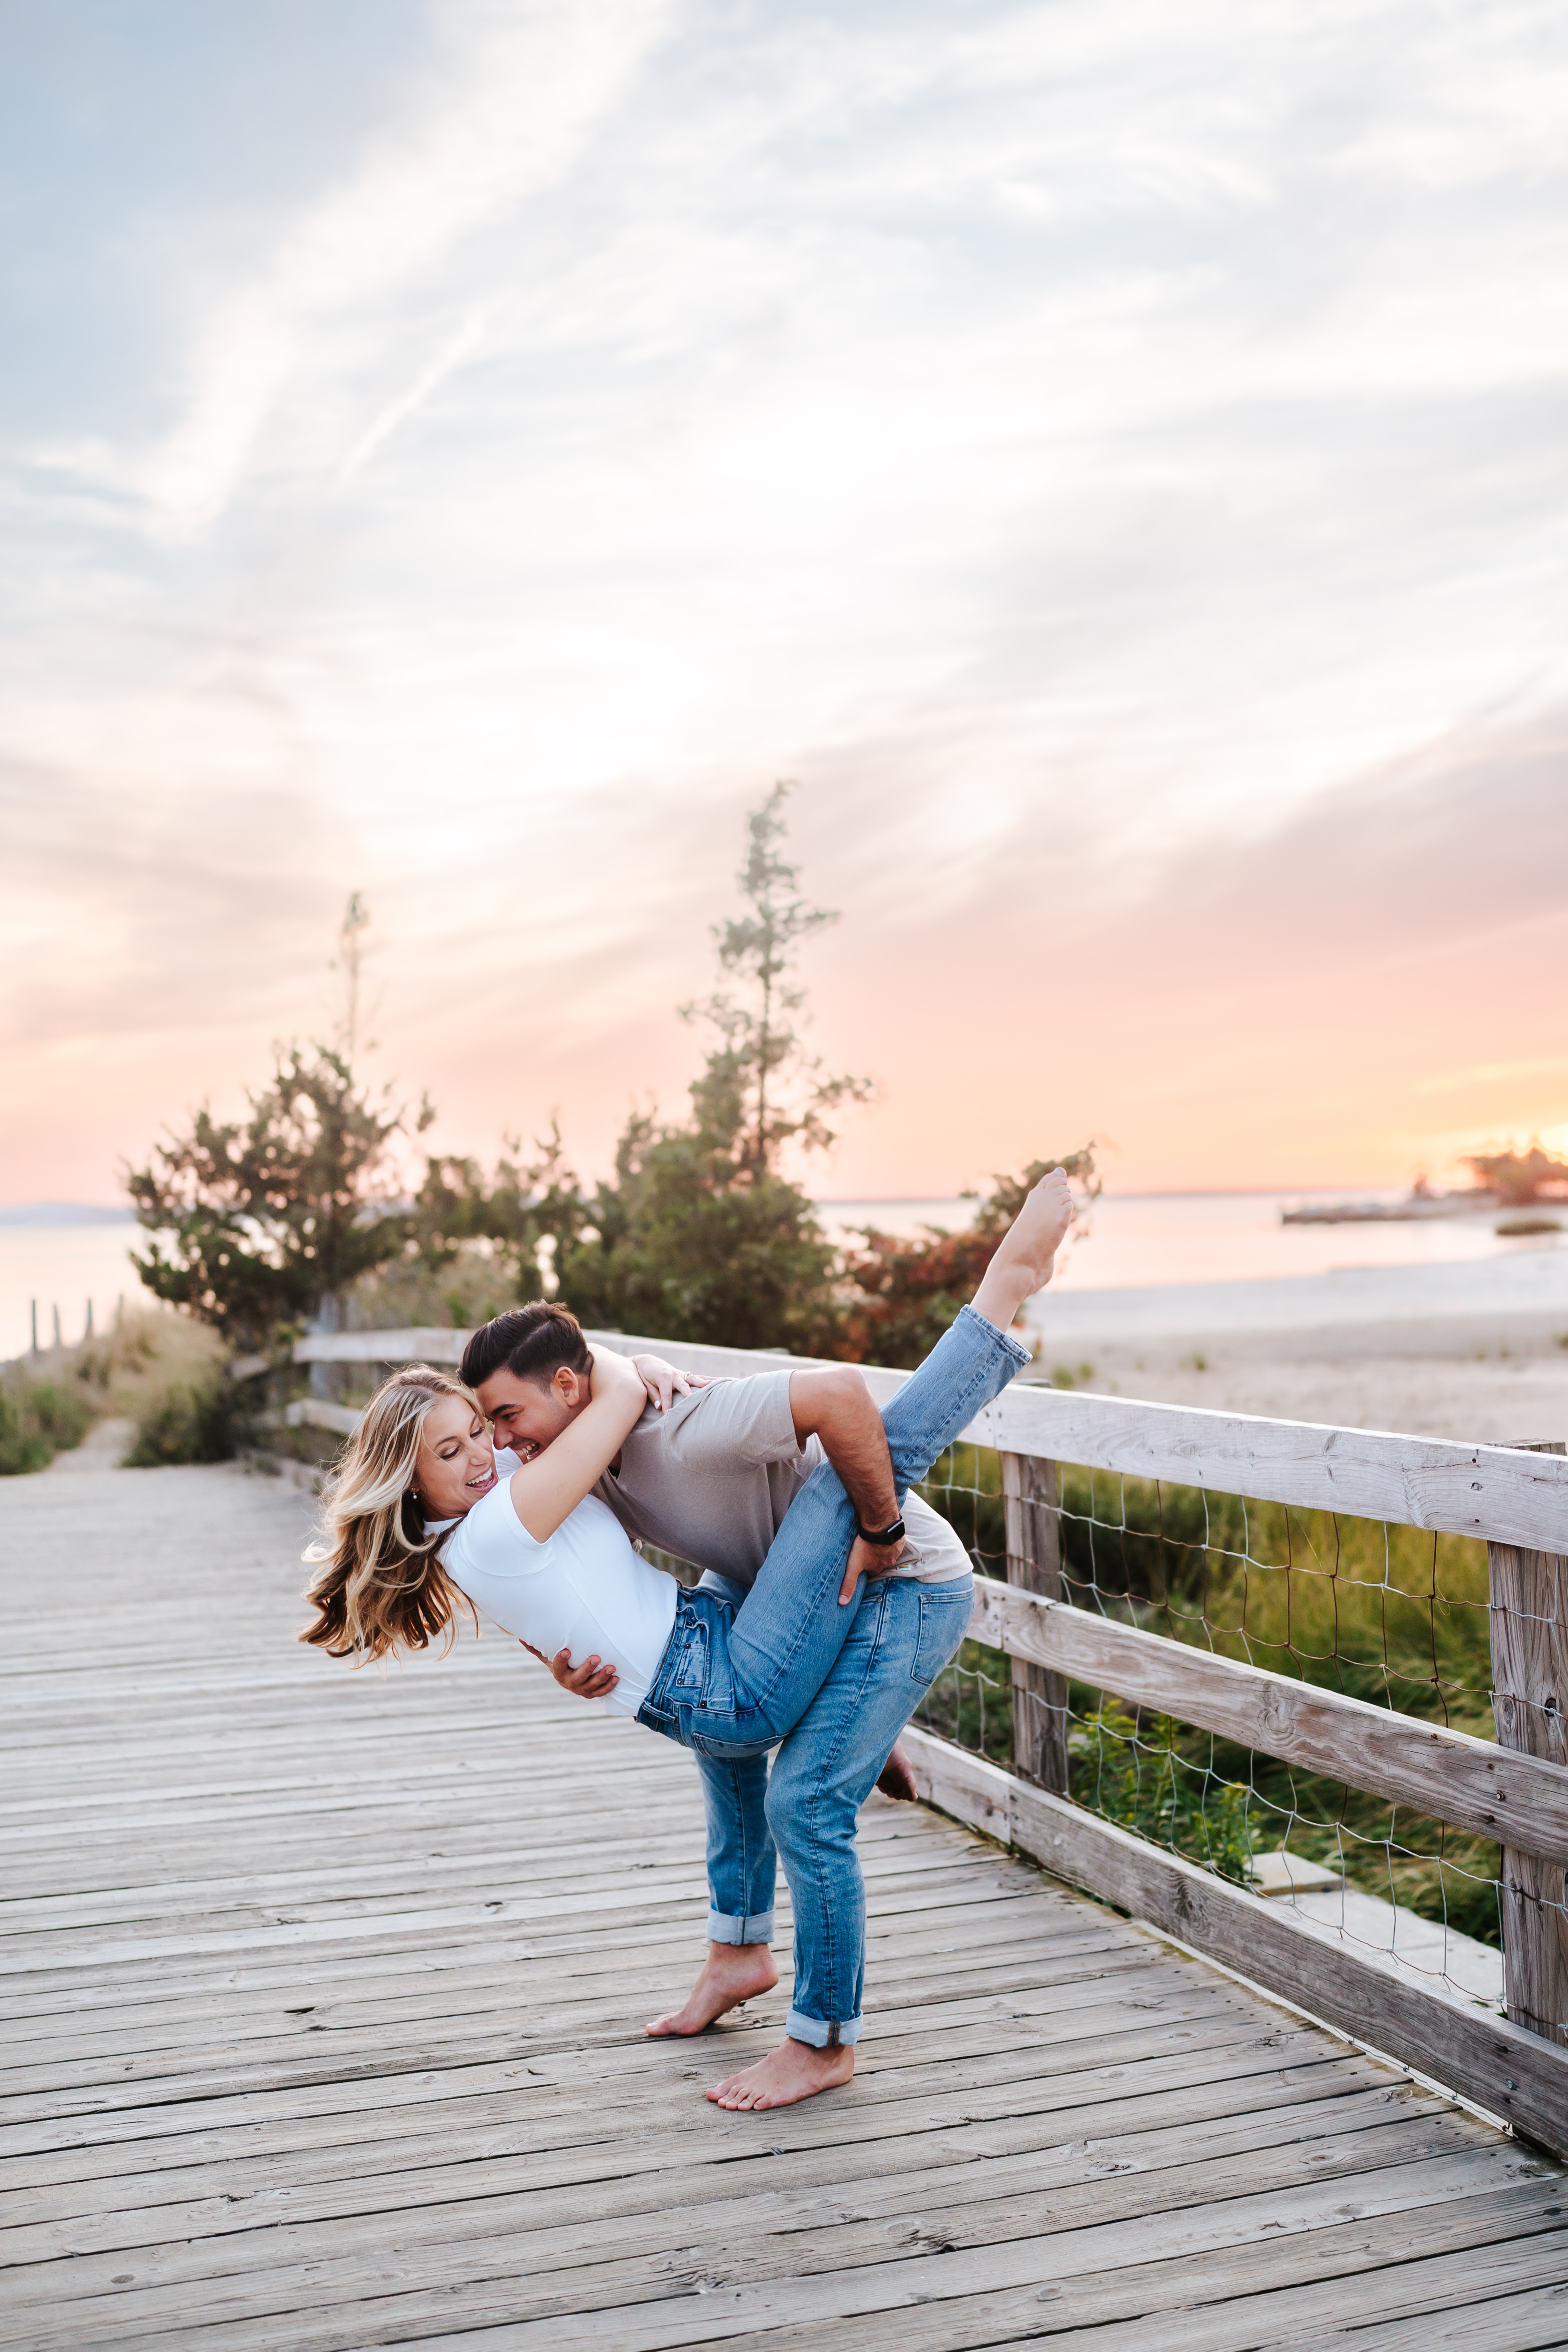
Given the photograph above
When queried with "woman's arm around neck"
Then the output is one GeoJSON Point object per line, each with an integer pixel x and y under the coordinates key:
{"type": "Point", "coordinates": [549, 1488]}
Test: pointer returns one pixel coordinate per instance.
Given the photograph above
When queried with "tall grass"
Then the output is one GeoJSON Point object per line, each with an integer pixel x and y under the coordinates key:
{"type": "Point", "coordinates": [40, 1417]}
{"type": "Point", "coordinates": [1389, 1614]}
{"type": "Point", "coordinates": [164, 1373]}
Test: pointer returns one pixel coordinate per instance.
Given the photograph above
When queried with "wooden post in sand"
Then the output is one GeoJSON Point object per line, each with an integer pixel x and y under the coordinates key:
{"type": "Point", "coordinates": [1029, 1494]}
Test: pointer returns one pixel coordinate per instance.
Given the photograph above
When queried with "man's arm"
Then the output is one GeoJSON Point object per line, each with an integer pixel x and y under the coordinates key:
{"type": "Point", "coordinates": [834, 1405]}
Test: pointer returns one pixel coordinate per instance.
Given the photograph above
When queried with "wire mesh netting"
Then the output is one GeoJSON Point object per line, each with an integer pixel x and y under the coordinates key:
{"type": "Point", "coordinates": [1391, 1614]}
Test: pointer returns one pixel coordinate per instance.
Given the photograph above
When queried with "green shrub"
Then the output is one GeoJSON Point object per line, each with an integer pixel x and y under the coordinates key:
{"type": "Point", "coordinates": [164, 1372]}
{"type": "Point", "coordinates": [39, 1419]}
{"type": "Point", "coordinates": [61, 1413]}
{"type": "Point", "coordinates": [21, 1446]}
{"type": "Point", "coordinates": [184, 1422]}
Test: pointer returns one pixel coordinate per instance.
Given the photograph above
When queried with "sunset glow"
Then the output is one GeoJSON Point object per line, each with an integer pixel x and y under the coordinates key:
{"type": "Point", "coordinates": [1114, 460]}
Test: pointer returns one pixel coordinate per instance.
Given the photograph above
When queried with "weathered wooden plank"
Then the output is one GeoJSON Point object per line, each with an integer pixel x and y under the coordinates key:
{"type": "Point", "coordinates": [1420, 1482]}
{"type": "Point", "coordinates": [617, 2222]}
{"type": "Point", "coordinates": [1082, 2011]}
{"type": "Point", "coordinates": [613, 2267]}
{"type": "Point", "coordinates": [371, 2002]}
{"type": "Point", "coordinates": [1504, 2069]}
{"type": "Point", "coordinates": [183, 2201]}
{"type": "Point", "coordinates": [1503, 1493]}
{"type": "Point", "coordinates": [1236, 2298]}
{"type": "Point", "coordinates": [1475, 1784]}
{"type": "Point", "coordinates": [206, 2050]}
{"type": "Point", "coordinates": [596, 1855]}
{"type": "Point", "coordinates": [1008, 1924]}
{"type": "Point", "coordinates": [920, 2117]}
{"type": "Point", "coordinates": [949, 2018]}
{"type": "Point", "coordinates": [1512, 2323]}
{"type": "Point", "coordinates": [477, 2285]}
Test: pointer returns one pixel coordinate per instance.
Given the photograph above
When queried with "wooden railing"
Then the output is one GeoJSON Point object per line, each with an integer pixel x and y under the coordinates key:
{"type": "Point", "coordinates": [1514, 1790]}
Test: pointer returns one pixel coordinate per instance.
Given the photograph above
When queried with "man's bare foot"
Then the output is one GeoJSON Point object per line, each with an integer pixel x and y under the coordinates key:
{"type": "Point", "coordinates": [1027, 1252]}
{"type": "Point", "coordinates": [895, 1780]}
{"type": "Point", "coordinates": [794, 2070]}
{"type": "Point", "coordinates": [731, 1974]}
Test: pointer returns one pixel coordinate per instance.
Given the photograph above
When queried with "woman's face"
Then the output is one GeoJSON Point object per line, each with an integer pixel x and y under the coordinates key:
{"type": "Point", "coordinates": [455, 1464]}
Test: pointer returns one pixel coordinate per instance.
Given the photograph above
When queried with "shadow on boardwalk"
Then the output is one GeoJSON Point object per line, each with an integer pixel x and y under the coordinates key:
{"type": "Point", "coordinates": [323, 1994]}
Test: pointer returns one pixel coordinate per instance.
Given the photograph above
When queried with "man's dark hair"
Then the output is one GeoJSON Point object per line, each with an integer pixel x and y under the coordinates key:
{"type": "Point", "coordinates": [530, 1342]}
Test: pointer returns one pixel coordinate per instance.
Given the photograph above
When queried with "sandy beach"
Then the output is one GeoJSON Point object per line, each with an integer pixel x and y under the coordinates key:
{"type": "Point", "coordinates": [1469, 1350]}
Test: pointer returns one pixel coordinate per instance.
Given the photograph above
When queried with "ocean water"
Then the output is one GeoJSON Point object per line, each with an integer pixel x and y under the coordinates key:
{"type": "Point", "coordinates": [1146, 1240]}
{"type": "Point", "coordinates": [62, 1267]}
{"type": "Point", "coordinates": [1129, 1241]}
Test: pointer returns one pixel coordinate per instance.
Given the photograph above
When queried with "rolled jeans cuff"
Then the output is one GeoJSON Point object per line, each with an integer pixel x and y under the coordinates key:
{"type": "Point", "coordinates": [724, 1929]}
{"type": "Point", "coordinates": [818, 2034]}
{"type": "Point", "coordinates": [1014, 1348]}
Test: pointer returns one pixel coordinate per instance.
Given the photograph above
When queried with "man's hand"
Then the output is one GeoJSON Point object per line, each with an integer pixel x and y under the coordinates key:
{"type": "Point", "coordinates": [590, 1680]}
{"type": "Point", "coordinates": [663, 1382]}
{"type": "Point", "coordinates": [833, 1403]}
{"type": "Point", "coordinates": [868, 1560]}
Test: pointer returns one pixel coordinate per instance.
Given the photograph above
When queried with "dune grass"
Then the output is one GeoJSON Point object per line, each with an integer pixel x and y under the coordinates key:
{"type": "Point", "coordinates": [1390, 1614]}
{"type": "Point", "coordinates": [40, 1416]}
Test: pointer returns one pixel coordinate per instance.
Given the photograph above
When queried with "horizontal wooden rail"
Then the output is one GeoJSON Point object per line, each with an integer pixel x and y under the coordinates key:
{"type": "Point", "coordinates": [1366, 1473]}
{"type": "Point", "coordinates": [315, 1412]}
{"type": "Point", "coordinates": [1493, 1491]}
{"type": "Point", "coordinates": [1470, 1783]}
{"type": "Point", "coordinates": [418, 1344]}
{"type": "Point", "coordinates": [1510, 2072]}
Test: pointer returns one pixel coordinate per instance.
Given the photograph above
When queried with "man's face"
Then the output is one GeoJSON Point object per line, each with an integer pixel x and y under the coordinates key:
{"type": "Point", "coordinates": [528, 1415]}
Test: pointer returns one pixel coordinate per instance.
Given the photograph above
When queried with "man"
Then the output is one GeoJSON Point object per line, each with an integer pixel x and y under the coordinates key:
{"type": "Point", "coordinates": [709, 1479]}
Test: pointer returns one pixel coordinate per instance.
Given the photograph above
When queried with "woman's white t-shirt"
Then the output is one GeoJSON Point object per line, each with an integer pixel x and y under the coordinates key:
{"type": "Point", "coordinates": [582, 1589]}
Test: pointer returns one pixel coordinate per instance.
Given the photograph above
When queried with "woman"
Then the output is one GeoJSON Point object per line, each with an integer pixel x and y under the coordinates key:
{"type": "Point", "coordinates": [421, 1520]}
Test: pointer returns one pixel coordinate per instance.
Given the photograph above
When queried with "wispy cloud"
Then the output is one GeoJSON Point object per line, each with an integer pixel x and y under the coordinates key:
{"type": "Point", "coordinates": [1113, 457]}
{"type": "Point", "coordinates": [463, 344]}
{"type": "Point", "coordinates": [523, 91]}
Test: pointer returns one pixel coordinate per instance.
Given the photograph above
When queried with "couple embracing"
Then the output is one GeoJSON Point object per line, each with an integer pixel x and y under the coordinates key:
{"type": "Point", "coordinates": [827, 1605]}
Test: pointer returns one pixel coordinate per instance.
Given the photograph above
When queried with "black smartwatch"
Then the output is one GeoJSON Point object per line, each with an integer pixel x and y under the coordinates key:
{"type": "Point", "coordinates": [885, 1537]}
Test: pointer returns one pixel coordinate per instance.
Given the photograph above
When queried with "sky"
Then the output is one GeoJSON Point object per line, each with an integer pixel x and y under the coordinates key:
{"type": "Point", "coordinates": [1113, 461]}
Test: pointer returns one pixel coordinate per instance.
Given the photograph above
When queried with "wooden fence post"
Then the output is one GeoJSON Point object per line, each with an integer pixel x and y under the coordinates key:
{"type": "Point", "coordinates": [1029, 1492]}
{"type": "Point", "coordinates": [1529, 1702]}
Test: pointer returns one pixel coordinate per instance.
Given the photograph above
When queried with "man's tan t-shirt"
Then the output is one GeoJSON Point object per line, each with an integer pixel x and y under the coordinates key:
{"type": "Point", "coordinates": [711, 1479]}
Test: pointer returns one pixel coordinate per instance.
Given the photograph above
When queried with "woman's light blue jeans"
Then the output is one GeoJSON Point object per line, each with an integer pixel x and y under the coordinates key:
{"type": "Point", "coordinates": [733, 1683]}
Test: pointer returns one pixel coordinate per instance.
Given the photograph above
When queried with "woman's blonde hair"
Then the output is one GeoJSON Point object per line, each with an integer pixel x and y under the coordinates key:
{"type": "Point", "coordinates": [381, 1588]}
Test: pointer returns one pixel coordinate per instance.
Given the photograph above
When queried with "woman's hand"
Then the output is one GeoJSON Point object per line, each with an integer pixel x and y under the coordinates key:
{"type": "Point", "coordinates": [590, 1680]}
{"type": "Point", "coordinates": [663, 1382]}
{"type": "Point", "coordinates": [612, 1374]}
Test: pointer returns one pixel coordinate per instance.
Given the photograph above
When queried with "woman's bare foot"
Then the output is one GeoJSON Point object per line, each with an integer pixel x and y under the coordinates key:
{"type": "Point", "coordinates": [1026, 1252]}
{"type": "Point", "coordinates": [731, 1974]}
{"type": "Point", "coordinates": [794, 2070]}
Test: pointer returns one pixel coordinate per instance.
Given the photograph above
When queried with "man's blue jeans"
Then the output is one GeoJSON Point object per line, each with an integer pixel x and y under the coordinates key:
{"type": "Point", "coordinates": [733, 1683]}
{"type": "Point", "coordinates": [901, 1636]}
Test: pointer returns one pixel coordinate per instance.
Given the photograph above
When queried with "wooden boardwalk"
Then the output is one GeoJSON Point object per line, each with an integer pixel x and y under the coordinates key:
{"type": "Point", "coordinates": [323, 1996]}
